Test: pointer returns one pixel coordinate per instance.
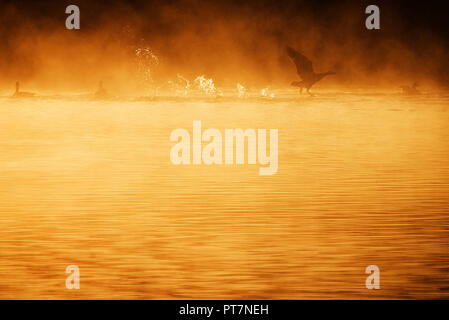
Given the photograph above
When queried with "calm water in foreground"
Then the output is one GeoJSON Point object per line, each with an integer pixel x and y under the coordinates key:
{"type": "Point", "coordinates": [362, 179]}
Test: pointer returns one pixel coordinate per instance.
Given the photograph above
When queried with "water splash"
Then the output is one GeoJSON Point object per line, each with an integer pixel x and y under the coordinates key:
{"type": "Point", "coordinates": [266, 93]}
{"type": "Point", "coordinates": [185, 84]}
{"type": "Point", "coordinates": [181, 86]}
{"type": "Point", "coordinates": [241, 90]}
{"type": "Point", "coordinates": [206, 86]}
{"type": "Point", "coordinates": [146, 63]}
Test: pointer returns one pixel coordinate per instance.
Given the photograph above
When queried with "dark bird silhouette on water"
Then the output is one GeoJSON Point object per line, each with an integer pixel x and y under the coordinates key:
{"type": "Point", "coordinates": [304, 69]}
{"type": "Point", "coordinates": [410, 91]}
{"type": "Point", "coordinates": [22, 94]}
{"type": "Point", "coordinates": [101, 91]}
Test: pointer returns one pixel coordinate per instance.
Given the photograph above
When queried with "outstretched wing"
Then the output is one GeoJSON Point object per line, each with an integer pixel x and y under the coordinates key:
{"type": "Point", "coordinates": [303, 65]}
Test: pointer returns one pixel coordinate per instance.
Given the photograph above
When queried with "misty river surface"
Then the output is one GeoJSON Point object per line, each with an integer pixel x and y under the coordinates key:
{"type": "Point", "coordinates": [363, 179]}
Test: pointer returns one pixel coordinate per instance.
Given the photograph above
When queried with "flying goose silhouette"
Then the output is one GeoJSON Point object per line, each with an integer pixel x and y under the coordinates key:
{"type": "Point", "coordinates": [304, 69]}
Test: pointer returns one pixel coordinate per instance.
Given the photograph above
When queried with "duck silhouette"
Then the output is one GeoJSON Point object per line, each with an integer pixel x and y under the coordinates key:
{"type": "Point", "coordinates": [304, 68]}
{"type": "Point", "coordinates": [22, 94]}
{"type": "Point", "coordinates": [410, 91]}
{"type": "Point", "coordinates": [101, 92]}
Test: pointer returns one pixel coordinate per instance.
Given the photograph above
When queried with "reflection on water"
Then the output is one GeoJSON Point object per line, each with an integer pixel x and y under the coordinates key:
{"type": "Point", "coordinates": [362, 179]}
